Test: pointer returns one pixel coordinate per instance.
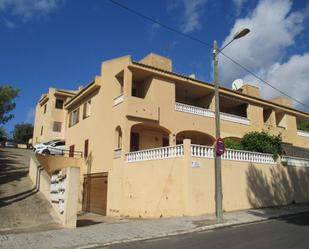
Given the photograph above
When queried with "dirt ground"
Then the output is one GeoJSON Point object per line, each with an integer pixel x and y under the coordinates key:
{"type": "Point", "coordinates": [22, 208]}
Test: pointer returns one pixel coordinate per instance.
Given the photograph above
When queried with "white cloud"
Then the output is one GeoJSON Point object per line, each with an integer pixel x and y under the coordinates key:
{"type": "Point", "coordinates": [30, 115]}
{"type": "Point", "coordinates": [273, 29]}
{"type": "Point", "coordinates": [193, 10]}
{"type": "Point", "coordinates": [153, 30]}
{"type": "Point", "coordinates": [239, 5]}
{"type": "Point", "coordinates": [28, 9]}
{"type": "Point", "coordinates": [292, 77]}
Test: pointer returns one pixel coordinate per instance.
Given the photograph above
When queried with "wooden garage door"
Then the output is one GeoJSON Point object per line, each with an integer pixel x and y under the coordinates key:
{"type": "Point", "coordinates": [95, 193]}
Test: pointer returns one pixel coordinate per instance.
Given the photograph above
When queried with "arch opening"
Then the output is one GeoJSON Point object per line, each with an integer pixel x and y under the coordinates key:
{"type": "Point", "coordinates": [146, 136]}
{"type": "Point", "coordinates": [196, 137]}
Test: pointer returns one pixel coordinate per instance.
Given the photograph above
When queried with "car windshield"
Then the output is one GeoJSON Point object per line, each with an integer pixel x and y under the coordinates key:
{"type": "Point", "coordinates": [50, 142]}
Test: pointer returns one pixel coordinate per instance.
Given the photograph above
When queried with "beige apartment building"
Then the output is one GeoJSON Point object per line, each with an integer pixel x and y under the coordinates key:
{"type": "Point", "coordinates": [147, 135]}
{"type": "Point", "coordinates": [50, 115]}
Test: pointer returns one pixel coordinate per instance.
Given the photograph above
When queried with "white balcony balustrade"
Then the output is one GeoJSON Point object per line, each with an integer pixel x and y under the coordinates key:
{"type": "Point", "coordinates": [235, 155]}
{"type": "Point", "coordinates": [208, 113]}
{"type": "Point", "coordinates": [303, 133]}
{"type": "Point", "coordinates": [155, 154]}
{"type": "Point", "coordinates": [118, 100]}
{"type": "Point", "coordinates": [202, 151]}
{"type": "Point", "coordinates": [295, 161]}
{"type": "Point", "coordinates": [194, 110]}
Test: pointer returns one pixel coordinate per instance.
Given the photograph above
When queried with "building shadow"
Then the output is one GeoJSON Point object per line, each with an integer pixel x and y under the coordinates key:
{"type": "Point", "coordinates": [12, 170]}
{"type": "Point", "coordinates": [277, 186]}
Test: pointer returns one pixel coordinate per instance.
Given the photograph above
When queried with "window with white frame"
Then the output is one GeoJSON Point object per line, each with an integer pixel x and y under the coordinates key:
{"type": "Point", "coordinates": [74, 117]}
{"type": "Point", "coordinates": [87, 109]}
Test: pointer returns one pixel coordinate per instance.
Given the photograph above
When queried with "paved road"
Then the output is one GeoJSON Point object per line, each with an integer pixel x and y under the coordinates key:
{"type": "Point", "coordinates": [275, 234]}
{"type": "Point", "coordinates": [22, 208]}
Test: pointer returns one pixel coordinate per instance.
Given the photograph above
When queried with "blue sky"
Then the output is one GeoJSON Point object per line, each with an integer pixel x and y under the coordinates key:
{"type": "Point", "coordinates": [61, 43]}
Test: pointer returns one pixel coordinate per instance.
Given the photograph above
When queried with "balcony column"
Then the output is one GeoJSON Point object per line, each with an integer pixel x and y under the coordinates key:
{"type": "Point", "coordinates": [127, 83]}
{"type": "Point", "coordinates": [212, 102]}
{"type": "Point", "coordinates": [172, 139]}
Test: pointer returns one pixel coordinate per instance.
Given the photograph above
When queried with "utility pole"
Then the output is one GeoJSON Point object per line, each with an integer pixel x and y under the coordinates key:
{"type": "Point", "coordinates": [218, 175]}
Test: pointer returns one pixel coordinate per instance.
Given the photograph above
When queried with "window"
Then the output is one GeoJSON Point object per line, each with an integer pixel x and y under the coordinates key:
{"type": "Point", "coordinates": [41, 130]}
{"type": "Point", "coordinates": [71, 151]}
{"type": "Point", "coordinates": [45, 106]}
{"type": "Point", "coordinates": [134, 145]}
{"type": "Point", "coordinates": [59, 103]}
{"type": "Point", "coordinates": [86, 146]}
{"type": "Point", "coordinates": [118, 141]}
{"type": "Point", "coordinates": [87, 109]}
{"type": "Point", "coordinates": [60, 143]}
{"type": "Point", "coordinates": [57, 126]}
{"type": "Point", "coordinates": [74, 117]}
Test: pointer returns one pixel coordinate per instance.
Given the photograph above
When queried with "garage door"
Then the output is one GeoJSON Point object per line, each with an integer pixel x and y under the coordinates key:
{"type": "Point", "coordinates": [95, 193]}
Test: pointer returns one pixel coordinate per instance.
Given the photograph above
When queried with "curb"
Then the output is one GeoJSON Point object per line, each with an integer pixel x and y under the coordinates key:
{"type": "Point", "coordinates": [197, 229]}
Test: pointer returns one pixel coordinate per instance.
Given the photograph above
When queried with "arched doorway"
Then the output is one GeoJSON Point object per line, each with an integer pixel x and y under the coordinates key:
{"type": "Point", "coordinates": [145, 136]}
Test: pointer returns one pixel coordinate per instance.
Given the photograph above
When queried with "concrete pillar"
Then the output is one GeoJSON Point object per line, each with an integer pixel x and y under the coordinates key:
{"type": "Point", "coordinates": [172, 139]}
{"type": "Point", "coordinates": [71, 196]}
{"type": "Point", "coordinates": [127, 83]}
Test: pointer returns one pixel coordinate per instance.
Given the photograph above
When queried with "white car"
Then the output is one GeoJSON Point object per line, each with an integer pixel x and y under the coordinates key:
{"type": "Point", "coordinates": [45, 143]}
{"type": "Point", "coordinates": [55, 147]}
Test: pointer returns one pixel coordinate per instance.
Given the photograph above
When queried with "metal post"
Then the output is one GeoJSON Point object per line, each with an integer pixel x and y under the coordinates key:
{"type": "Point", "coordinates": [218, 176]}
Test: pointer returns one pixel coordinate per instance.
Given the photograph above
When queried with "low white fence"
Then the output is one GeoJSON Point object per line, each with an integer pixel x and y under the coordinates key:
{"type": "Point", "coordinates": [155, 154]}
{"type": "Point", "coordinates": [295, 161]}
{"type": "Point", "coordinates": [236, 155]}
{"type": "Point", "coordinates": [303, 133]}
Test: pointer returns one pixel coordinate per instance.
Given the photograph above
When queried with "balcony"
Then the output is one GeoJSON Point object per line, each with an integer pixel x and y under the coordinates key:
{"type": "Point", "coordinates": [208, 113]}
{"type": "Point", "coordinates": [303, 133]}
{"type": "Point", "coordinates": [141, 108]}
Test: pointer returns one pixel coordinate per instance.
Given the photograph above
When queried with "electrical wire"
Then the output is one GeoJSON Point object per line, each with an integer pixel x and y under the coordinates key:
{"type": "Point", "coordinates": [206, 44]}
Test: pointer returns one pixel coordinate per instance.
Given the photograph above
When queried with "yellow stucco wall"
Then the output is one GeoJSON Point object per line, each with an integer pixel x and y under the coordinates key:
{"type": "Point", "coordinates": [172, 187]}
{"type": "Point", "coordinates": [47, 119]}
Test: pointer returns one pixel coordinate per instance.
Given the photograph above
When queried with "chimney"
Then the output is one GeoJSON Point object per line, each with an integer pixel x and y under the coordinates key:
{"type": "Point", "coordinates": [158, 61]}
{"type": "Point", "coordinates": [282, 101]}
{"type": "Point", "coordinates": [251, 90]}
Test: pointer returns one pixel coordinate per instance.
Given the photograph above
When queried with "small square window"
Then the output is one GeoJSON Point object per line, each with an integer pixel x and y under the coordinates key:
{"type": "Point", "coordinates": [57, 126]}
{"type": "Point", "coordinates": [59, 103]}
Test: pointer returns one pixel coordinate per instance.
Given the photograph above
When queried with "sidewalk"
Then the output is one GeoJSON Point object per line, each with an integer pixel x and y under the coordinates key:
{"type": "Point", "coordinates": [140, 229]}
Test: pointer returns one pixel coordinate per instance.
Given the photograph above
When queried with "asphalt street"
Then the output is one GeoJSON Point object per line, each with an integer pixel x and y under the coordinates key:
{"type": "Point", "coordinates": [284, 233]}
{"type": "Point", "coordinates": [22, 207]}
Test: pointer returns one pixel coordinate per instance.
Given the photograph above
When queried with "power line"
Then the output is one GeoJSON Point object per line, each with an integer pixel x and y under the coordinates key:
{"type": "Point", "coordinates": [159, 23]}
{"type": "Point", "coordinates": [259, 78]}
{"type": "Point", "coordinates": [178, 32]}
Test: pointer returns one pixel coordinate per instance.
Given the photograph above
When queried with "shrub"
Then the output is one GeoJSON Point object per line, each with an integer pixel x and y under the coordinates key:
{"type": "Point", "coordinates": [262, 142]}
{"type": "Point", "coordinates": [304, 126]}
{"type": "Point", "coordinates": [232, 144]}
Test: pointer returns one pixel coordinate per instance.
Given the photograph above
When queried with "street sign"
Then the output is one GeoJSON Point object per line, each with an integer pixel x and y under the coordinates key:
{"type": "Point", "coordinates": [220, 147]}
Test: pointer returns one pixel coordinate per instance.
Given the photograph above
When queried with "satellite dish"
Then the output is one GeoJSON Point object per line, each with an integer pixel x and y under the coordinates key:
{"type": "Point", "coordinates": [237, 84]}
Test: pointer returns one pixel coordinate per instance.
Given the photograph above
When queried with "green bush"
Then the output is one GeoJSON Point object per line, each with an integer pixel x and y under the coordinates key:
{"type": "Point", "coordinates": [262, 142]}
{"type": "Point", "coordinates": [304, 126]}
{"type": "Point", "coordinates": [231, 143]}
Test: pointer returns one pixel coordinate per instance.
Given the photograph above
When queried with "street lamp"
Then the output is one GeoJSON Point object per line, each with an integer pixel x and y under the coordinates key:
{"type": "Point", "coordinates": [218, 176]}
